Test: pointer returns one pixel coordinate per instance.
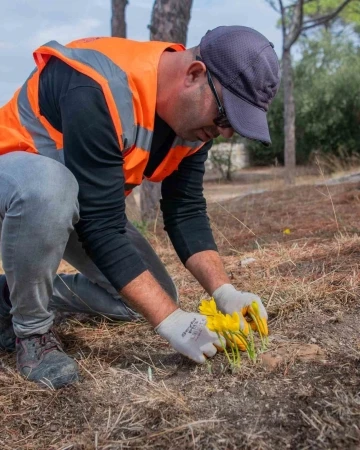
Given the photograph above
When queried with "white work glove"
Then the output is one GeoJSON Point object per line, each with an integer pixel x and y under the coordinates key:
{"type": "Point", "coordinates": [229, 300]}
{"type": "Point", "coordinates": [186, 332]}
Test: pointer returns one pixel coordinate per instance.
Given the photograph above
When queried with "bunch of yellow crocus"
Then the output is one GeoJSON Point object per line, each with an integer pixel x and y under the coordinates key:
{"type": "Point", "coordinates": [234, 329]}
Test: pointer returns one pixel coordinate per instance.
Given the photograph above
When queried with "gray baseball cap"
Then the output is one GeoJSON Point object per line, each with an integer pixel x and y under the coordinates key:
{"type": "Point", "coordinates": [246, 65]}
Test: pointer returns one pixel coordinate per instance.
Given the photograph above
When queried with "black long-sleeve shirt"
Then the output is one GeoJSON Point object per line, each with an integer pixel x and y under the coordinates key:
{"type": "Point", "coordinates": [74, 104]}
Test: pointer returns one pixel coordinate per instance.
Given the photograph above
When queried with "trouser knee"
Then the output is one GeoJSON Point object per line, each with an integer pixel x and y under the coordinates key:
{"type": "Point", "coordinates": [39, 190]}
{"type": "Point", "coordinates": [51, 203]}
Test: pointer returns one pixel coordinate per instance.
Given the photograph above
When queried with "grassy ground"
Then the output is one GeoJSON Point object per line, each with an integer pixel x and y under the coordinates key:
{"type": "Point", "coordinates": [304, 393]}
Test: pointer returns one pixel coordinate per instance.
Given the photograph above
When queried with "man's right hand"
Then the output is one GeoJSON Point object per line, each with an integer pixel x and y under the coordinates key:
{"type": "Point", "coordinates": [187, 333]}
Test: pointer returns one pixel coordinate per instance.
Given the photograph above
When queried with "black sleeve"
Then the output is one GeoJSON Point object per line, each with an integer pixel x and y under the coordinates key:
{"type": "Point", "coordinates": [92, 153]}
{"type": "Point", "coordinates": [184, 207]}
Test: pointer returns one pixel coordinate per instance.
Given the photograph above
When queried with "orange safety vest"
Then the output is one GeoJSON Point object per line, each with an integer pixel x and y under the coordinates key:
{"type": "Point", "coordinates": [127, 72]}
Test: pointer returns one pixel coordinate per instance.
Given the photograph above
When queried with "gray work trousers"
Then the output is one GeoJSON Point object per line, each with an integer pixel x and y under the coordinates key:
{"type": "Point", "coordinates": [38, 210]}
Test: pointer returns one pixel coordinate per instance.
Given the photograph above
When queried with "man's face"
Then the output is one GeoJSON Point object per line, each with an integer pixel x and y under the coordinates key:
{"type": "Point", "coordinates": [197, 108]}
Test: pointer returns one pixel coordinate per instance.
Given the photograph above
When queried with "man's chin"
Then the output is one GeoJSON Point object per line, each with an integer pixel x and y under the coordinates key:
{"type": "Point", "coordinates": [190, 136]}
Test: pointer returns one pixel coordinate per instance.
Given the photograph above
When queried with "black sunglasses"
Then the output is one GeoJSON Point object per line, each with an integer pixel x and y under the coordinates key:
{"type": "Point", "coordinates": [220, 120]}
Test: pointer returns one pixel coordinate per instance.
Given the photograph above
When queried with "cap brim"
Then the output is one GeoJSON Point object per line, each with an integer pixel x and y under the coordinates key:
{"type": "Point", "coordinates": [246, 119]}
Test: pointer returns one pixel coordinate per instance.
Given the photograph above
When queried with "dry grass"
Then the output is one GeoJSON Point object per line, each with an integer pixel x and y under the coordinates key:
{"type": "Point", "coordinates": [137, 393]}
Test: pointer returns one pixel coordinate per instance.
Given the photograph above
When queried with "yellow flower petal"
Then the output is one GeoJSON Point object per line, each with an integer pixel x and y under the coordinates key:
{"type": "Point", "coordinates": [262, 325]}
{"type": "Point", "coordinates": [255, 308]}
{"type": "Point", "coordinates": [208, 307]}
{"type": "Point", "coordinates": [245, 327]}
{"type": "Point", "coordinates": [232, 323]}
{"type": "Point", "coordinates": [239, 341]}
{"type": "Point", "coordinates": [210, 323]}
{"type": "Point", "coordinates": [244, 310]}
{"type": "Point", "coordinates": [215, 323]}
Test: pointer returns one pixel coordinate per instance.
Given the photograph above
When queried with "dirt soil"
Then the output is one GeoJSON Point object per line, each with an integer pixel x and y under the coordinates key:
{"type": "Point", "coordinates": [303, 393]}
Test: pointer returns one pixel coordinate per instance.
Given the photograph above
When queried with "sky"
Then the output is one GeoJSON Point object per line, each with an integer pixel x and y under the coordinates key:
{"type": "Point", "coordinates": [25, 25]}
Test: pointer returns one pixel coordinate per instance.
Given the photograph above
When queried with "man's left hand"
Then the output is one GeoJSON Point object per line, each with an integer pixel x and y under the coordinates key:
{"type": "Point", "coordinates": [230, 300]}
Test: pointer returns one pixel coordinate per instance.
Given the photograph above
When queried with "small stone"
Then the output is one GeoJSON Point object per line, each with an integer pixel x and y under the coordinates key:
{"type": "Point", "coordinates": [270, 360]}
{"type": "Point", "coordinates": [310, 352]}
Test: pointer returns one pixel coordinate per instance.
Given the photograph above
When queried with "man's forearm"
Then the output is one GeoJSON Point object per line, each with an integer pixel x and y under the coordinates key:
{"type": "Point", "coordinates": [148, 298]}
{"type": "Point", "coordinates": [208, 269]}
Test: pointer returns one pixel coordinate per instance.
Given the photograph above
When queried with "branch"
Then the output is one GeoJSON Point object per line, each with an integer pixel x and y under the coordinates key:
{"type": "Point", "coordinates": [282, 9]}
{"type": "Point", "coordinates": [296, 25]}
{"type": "Point", "coordinates": [312, 23]}
{"type": "Point", "coordinates": [283, 19]}
{"type": "Point", "coordinates": [272, 4]}
{"type": "Point", "coordinates": [293, 5]}
{"type": "Point", "coordinates": [309, 1]}
{"type": "Point", "coordinates": [290, 6]}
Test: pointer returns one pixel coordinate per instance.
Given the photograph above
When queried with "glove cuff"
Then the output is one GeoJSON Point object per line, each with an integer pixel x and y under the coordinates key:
{"type": "Point", "coordinates": [222, 291]}
{"type": "Point", "coordinates": [166, 325]}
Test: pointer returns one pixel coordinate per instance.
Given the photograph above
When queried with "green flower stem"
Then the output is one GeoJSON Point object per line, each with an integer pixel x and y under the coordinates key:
{"type": "Point", "coordinates": [264, 340]}
{"type": "Point", "coordinates": [252, 350]}
{"type": "Point", "coordinates": [228, 338]}
{"type": "Point", "coordinates": [223, 345]}
{"type": "Point", "coordinates": [264, 343]}
{"type": "Point", "coordinates": [242, 334]}
{"type": "Point", "coordinates": [255, 319]}
{"type": "Point", "coordinates": [250, 347]}
{"type": "Point", "coordinates": [238, 360]}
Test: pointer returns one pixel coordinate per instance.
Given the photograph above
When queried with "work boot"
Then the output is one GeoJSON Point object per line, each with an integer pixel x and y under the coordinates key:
{"type": "Point", "coordinates": [7, 335]}
{"type": "Point", "coordinates": [40, 358]}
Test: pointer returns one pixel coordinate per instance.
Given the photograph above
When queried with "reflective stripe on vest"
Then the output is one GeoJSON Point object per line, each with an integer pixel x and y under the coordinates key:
{"type": "Point", "coordinates": [182, 143]}
{"type": "Point", "coordinates": [119, 87]}
{"type": "Point", "coordinates": [179, 150]}
{"type": "Point", "coordinates": [42, 140]}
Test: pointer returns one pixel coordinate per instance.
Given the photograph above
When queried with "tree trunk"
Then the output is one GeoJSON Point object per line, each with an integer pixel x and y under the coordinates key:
{"type": "Point", "coordinates": [150, 194]}
{"type": "Point", "coordinates": [118, 23]}
{"type": "Point", "coordinates": [289, 118]}
{"type": "Point", "coordinates": [293, 25]}
{"type": "Point", "coordinates": [169, 22]}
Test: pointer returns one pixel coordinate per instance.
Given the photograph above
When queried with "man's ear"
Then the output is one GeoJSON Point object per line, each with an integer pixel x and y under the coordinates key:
{"type": "Point", "coordinates": [195, 73]}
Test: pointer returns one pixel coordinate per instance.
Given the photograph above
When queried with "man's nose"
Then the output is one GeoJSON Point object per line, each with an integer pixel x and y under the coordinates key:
{"type": "Point", "coordinates": [226, 132]}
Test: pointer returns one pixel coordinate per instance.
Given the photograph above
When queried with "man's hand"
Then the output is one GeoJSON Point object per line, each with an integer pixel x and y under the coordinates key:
{"type": "Point", "coordinates": [187, 333]}
{"type": "Point", "coordinates": [229, 300]}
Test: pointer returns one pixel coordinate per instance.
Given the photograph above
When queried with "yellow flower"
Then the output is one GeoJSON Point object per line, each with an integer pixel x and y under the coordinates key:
{"type": "Point", "coordinates": [244, 310]}
{"type": "Point", "coordinates": [260, 326]}
{"type": "Point", "coordinates": [215, 323]}
{"type": "Point", "coordinates": [245, 327]}
{"type": "Point", "coordinates": [255, 308]}
{"type": "Point", "coordinates": [240, 341]}
{"type": "Point", "coordinates": [208, 307]}
{"type": "Point", "coordinates": [259, 323]}
{"type": "Point", "coordinates": [232, 323]}
{"type": "Point", "coordinates": [287, 231]}
{"type": "Point", "coordinates": [263, 327]}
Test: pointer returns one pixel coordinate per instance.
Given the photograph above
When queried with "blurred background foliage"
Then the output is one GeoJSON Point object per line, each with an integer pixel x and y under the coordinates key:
{"type": "Point", "coordinates": [327, 98]}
